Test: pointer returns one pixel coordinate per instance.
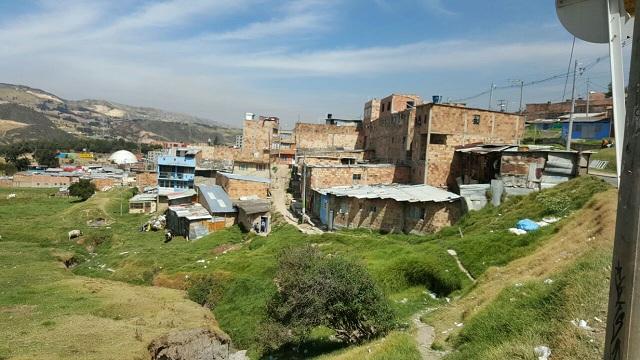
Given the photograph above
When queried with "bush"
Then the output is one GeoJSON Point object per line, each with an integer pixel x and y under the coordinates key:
{"type": "Point", "coordinates": [83, 189]}
{"type": "Point", "coordinates": [314, 290]}
{"type": "Point", "coordinates": [554, 204]}
{"type": "Point", "coordinates": [206, 289]}
{"type": "Point", "coordinates": [430, 274]}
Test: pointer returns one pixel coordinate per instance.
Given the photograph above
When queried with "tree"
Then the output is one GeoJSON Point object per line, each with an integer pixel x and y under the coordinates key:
{"type": "Point", "coordinates": [315, 290]}
{"type": "Point", "coordinates": [46, 158]}
{"type": "Point", "coordinates": [83, 189]}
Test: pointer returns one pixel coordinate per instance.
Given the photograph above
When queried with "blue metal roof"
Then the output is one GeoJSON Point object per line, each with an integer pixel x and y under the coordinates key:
{"type": "Point", "coordinates": [215, 199]}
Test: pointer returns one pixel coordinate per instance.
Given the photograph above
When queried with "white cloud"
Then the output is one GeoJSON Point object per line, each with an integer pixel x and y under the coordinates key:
{"type": "Point", "coordinates": [437, 7]}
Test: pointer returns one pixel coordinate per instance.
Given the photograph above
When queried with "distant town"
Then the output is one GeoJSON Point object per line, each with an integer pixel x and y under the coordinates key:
{"type": "Point", "coordinates": [408, 166]}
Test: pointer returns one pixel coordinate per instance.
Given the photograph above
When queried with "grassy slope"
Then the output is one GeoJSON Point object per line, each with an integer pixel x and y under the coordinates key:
{"type": "Point", "coordinates": [142, 258]}
{"type": "Point", "coordinates": [609, 155]}
{"type": "Point", "coordinates": [48, 313]}
{"type": "Point", "coordinates": [504, 320]}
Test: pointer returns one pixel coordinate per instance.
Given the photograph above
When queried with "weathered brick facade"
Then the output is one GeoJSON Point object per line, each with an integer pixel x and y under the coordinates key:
{"type": "Point", "coordinates": [597, 103]}
{"type": "Point", "coordinates": [322, 136]}
{"type": "Point", "coordinates": [325, 176]}
{"type": "Point", "coordinates": [426, 137]}
{"type": "Point", "coordinates": [146, 179]}
{"type": "Point", "coordinates": [388, 215]}
{"type": "Point", "coordinates": [237, 189]}
{"type": "Point", "coordinates": [42, 181]}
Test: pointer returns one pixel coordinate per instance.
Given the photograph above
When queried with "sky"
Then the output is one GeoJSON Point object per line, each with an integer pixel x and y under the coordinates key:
{"type": "Point", "coordinates": [297, 60]}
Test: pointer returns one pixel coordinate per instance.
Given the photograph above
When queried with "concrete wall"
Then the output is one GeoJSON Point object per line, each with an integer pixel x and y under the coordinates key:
{"type": "Point", "coordinates": [147, 207]}
{"type": "Point", "coordinates": [248, 222]}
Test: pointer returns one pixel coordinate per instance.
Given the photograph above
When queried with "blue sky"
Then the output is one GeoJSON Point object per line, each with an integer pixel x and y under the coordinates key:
{"type": "Point", "coordinates": [293, 59]}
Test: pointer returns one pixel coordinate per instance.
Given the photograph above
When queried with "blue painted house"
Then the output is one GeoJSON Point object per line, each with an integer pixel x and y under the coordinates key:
{"type": "Point", "coordinates": [177, 170]}
{"type": "Point", "coordinates": [588, 126]}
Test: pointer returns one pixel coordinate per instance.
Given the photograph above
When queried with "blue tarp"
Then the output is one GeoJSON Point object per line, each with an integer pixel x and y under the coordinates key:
{"type": "Point", "coordinates": [527, 225]}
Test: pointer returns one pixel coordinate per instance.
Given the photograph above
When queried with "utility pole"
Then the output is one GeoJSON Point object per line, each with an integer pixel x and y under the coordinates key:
{"type": "Point", "coordinates": [502, 104]}
{"type": "Point", "coordinates": [521, 82]}
{"type": "Point", "coordinates": [573, 106]}
{"type": "Point", "coordinates": [622, 339]}
{"type": "Point", "coordinates": [493, 86]}
{"type": "Point", "coordinates": [304, 186]}
{"type": "Point", "coordinates": [588, 97]}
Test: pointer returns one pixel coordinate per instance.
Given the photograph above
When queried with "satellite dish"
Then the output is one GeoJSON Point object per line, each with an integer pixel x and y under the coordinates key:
{"type": "Point", "coordinates": [585, 19]}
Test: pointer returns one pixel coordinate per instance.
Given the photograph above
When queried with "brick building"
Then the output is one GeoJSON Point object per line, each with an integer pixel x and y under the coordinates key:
{"type": "Point", "coordinates": [415, 209]}
{"type": "Point", "coordinates": [24, 179]}
{"type": "Point", "coordinates": [327, 136]}
{"type": "Point", "coordinates": [425, 136]}
{"type": "Point", "coordinates": [239, 186]}
{"type": "Point", "coordinates": [327, 176]}
{"type": "Point", "coordinates": [598, 103]}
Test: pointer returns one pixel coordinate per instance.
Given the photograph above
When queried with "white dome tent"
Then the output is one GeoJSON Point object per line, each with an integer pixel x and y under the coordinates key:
{"type": "Point", "coordinates": [123, 157]}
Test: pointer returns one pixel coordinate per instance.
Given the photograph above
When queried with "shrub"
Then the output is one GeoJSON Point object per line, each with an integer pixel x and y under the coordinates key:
{"type": "Point", "coordinates": [83, 189]}
{"type": "Point", "coordinates": [206, 289]}
{"type": "Point", "coordinates": [430, 274]}
{"type": "Point", "coordinates": [314, 290]}
{"type": "Point", "coordinates": [554, 204]}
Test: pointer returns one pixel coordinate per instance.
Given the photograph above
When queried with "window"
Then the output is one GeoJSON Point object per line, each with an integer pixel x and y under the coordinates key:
{"type": "Point", "coordinates": [476, 119]}
{"type": "Point", "coordinates": [357, 176]}
{"type": "Point", "coordinates": [242, 166]}
{"type": "Point", "coordinates": [438, 139]}
{"type": "Point", "coordinates": [416, 212]}
{"type": "Point", "coordinates": [411, 104]}
{"type": "Point", "coordinates": [261, 167]}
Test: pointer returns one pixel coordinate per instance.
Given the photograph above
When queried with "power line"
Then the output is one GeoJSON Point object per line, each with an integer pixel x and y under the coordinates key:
{"type": "Point", "coordinates": [534, 82]}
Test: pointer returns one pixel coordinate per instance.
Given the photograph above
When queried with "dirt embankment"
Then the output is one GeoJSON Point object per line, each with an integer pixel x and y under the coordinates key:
{"type": "Point", "coordinates": [591, 228]}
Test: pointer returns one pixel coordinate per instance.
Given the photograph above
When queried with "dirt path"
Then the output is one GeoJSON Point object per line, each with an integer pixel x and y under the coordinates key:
{"type": "Point", "coordinates": [460, 266]}
{"type": "Point", "coordinates": [425, 335]}
{"type": "Point", "coordinates": [279, 199]}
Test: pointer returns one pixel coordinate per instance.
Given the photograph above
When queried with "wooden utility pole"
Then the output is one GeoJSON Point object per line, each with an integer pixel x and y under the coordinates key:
{"type": "Point", "coordinates": [622, 340]}
{"type": "Point", "coordinates": [573, 107]}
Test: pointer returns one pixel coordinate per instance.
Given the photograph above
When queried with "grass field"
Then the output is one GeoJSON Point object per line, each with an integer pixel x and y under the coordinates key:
{"type": "Point", "coordinates": [406, 267]}
{"type": "Point", "coordinates": [609, 155]}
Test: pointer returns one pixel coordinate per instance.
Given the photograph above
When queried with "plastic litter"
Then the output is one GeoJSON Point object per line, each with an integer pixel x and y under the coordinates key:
{"type": "Point", "coordinates": [582, 324]}
{"type": "Point", "coordinates": [527, 225]}
{"type": "Point", "coordinates": [542, 352]}
{"type": "Point", "coordinates": [550, 220]}
{"type": "Point", "coordinates": [517, 231]}
{"type": "Point", "coordinates": [452, 252]}
{"type": "Point", "coordinates": [548, 282]}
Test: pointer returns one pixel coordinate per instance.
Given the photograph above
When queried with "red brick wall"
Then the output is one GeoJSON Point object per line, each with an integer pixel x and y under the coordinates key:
{"type": "Point", "coordinates": [240, 188]}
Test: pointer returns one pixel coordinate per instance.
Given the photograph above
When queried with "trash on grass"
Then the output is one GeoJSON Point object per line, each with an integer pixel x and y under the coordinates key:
{"type": "Point", "coordinates": [542, 352]}
{"type": "Point", "coordinates": [527, 225]}
{"type": "Point", "coordinates": [517, 231]}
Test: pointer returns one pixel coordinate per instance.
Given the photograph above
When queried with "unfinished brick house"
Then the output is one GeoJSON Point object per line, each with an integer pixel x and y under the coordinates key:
{"type": "Point", "coordinates": [240, 186]}
{"type": "Point", "coordinates": [415, 209]}
{"type": "Point", "coordinates": [327, 176]}
{"type": "Point", "coordinates": [425, 136]}
{"type": "Point", "coordinates": [336, 134]}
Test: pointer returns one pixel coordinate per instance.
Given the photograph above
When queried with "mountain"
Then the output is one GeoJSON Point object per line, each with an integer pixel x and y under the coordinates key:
{"type": "Point", "coordinates": [33, 114]}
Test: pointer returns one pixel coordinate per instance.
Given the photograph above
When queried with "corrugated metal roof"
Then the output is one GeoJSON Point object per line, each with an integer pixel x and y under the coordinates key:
{"type": "Point", "coordinates": [351, 166]}
{"type": "Point", "coordinates": [181, 194]}
{"type": "Point", "coordinates": [254, 206]}
{"type": "Point", "coordinates": [143, 198]}
{"type": "Point", "coordinates": [216, 198]}
{"type": "Point", "coordinates": [245, 177]}
{"type": "Point", "coordinates": [408, 193]}
{"type": "Point", "coordinates": [191, 211]}
{"type": "Point", "coordinates": [486, 149]}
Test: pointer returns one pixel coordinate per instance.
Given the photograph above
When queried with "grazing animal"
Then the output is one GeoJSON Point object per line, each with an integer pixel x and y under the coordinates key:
{"type": "Point", "coordinates": [11, 196]}
{"type": "Point", "coordinates": [168, 236]}
{"type": "Point", "coordinates": [74, 234]}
